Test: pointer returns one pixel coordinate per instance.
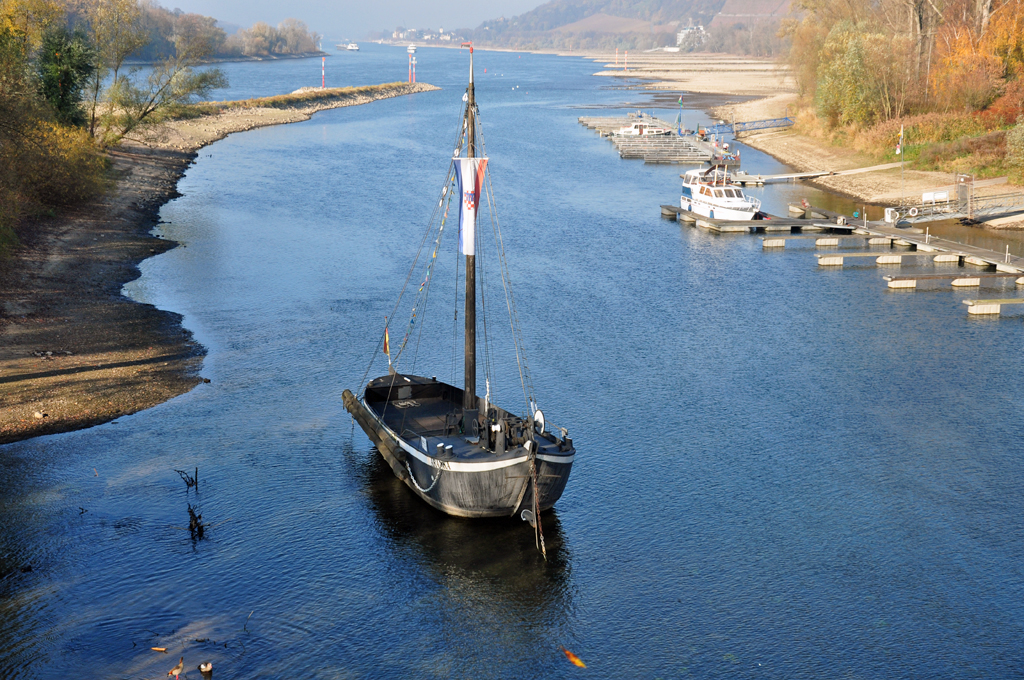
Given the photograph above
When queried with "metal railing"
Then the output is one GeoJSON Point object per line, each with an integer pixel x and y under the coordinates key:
{"type": "Point", "coordinates": [748, 126]}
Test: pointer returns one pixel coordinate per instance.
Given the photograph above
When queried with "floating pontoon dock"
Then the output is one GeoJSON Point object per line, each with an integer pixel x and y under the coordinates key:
{"type": "Point", "coordinates": [670, 148]}
{"type": "Point", "coordinates": [902, 245]}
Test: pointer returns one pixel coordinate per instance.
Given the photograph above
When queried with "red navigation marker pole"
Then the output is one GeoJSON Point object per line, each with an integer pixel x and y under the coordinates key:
{"type": "Point", "coordinates": [412, 63]}
{"type": "Point", "coordinates": [323, 73]}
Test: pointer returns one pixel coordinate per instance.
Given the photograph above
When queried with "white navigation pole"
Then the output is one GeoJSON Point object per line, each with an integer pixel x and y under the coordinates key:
{"type": "Point", "coordinates": [899, 152]}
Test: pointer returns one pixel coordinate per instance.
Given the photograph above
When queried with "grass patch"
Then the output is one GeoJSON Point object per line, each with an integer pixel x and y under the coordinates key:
{"type": "Point", "coordinates": [984, 155]}
{"type": "Point", "coordinates": [969, 143]}
{"type": "Point", "coordinates": [303, 99]}
{"type": "Point", "coordinates": [295, 100]}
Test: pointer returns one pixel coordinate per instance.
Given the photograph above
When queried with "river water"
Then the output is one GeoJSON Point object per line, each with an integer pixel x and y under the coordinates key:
{"type": "Point", "coordinates": [782, 472]}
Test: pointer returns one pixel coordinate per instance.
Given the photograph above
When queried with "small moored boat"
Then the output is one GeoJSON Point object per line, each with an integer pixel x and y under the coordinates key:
{"type": "Point", "coordinates": [643, 129]}
{"type": "Point", "coordinates": [711, 192]}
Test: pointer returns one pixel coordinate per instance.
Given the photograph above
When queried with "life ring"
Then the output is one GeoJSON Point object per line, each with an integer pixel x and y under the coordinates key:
{"type": "Point", "coordinates": [538, 421]}
{"type": "Point", "coordinates": [912, 212]}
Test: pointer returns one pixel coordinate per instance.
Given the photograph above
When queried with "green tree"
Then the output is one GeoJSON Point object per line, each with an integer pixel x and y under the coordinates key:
{"type": "Point", "coordinates": [63, 65]}
{"type": "Point", "coordinates": [842, 95]}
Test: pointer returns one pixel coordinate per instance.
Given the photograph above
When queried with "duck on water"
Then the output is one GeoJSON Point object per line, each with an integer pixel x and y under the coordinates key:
{"type": "Point", "coordinates": [454, 449]}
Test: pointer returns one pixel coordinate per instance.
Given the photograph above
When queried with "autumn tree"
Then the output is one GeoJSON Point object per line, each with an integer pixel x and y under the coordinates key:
{"type": "Point", "coordinates": [1003, 36]}
{"type": "Point", "coordinates": [27, 20]}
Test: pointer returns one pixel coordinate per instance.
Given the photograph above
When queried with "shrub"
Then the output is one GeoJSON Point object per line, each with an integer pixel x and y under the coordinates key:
{"type": "Point", "coordinates": [61, 165]}
{"type": "Point", "coordinates": [926, 128]}
{"type": "Point", "coordinates": [1015, 151]}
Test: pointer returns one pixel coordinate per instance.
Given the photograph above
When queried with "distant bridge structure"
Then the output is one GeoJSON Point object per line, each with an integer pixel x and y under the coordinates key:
{"type": "Point", "coordinates": [748, 126]}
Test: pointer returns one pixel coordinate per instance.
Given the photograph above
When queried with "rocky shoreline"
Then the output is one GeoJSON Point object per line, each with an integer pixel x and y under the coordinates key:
{"type": "Point", "coordinates": [74, 352]}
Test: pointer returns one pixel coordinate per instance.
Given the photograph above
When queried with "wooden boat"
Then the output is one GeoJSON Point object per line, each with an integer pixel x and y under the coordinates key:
{"type": "Point", "coordinates": [454, 449]}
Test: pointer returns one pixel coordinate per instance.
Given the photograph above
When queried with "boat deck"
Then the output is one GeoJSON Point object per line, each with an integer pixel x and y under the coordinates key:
{"type": "Point", "coordinates": [425, 413]}
{"type": "Point", "coordinates": [423, 417]}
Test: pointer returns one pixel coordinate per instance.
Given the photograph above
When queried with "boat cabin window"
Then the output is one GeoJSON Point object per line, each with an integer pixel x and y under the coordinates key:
{"type": "Point", "coordinates": [718, 193]}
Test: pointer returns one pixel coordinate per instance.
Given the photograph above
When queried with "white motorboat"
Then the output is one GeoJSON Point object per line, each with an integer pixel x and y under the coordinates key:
{"type": "Point", "coordinates": [711, 193]}
{"type": "Point", "coordinates": [643, 129]}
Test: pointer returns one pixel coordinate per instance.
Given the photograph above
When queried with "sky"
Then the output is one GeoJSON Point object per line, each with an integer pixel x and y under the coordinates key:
{"type": "Point", "coordinates": [353, 19]}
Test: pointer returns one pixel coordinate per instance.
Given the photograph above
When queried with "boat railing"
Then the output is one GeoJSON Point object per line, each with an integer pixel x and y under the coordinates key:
{"type": "Point", "coordinates": [754, 202]}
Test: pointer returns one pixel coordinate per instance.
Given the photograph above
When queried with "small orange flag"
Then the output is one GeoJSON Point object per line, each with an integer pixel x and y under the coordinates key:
{"type": "Point", "coordinates": [573, 658]}
{"type": "Point", "coordinates": [387, 340]}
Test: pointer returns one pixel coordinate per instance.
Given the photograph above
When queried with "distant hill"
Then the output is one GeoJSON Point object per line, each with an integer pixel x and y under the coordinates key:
{"type": "Point", "coordinates": [606, 23]}
{"type": "Point", "coordinates": [597, 24]}
{"type": "Point", "coordinates": [750, 12]}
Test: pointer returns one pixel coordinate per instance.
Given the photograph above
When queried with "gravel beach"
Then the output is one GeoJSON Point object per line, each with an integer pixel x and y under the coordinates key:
{"type": "Point", "coordinates": [74, 352]}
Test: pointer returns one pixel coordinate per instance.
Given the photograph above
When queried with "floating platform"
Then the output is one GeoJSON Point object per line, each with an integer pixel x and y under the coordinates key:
{"type": "Point", "coordinates": [912, 243]}
{"type": "Point", "coordinates": [670, 148]}
{"type": "Point", "coordinates": [956, 280]}
{"type": "Point", "coordinates": [765, 222]}
{"type": "Point", "coordinates": [980, 307]}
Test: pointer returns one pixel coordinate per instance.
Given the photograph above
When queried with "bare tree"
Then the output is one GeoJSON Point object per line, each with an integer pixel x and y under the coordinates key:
{"type": "Point", "coordinates": [171, 84]}
{"type": "Point", "coordinates": [117, 32]}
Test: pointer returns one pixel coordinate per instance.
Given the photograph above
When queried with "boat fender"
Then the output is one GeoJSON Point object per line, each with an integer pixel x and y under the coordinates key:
{"type": "Point", "coordinates": [912, 212]}
{"type": "Point", "coordinates": [538, 421]}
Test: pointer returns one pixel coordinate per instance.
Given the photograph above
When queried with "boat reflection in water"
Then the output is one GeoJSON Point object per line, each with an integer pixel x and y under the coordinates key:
{"type": "Point", "coordinates": [491, 561]}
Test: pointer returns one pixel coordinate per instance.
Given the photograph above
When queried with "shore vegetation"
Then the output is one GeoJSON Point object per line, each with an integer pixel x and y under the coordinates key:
{"type": "Point", "coordinates": [72, 86]}
{"type": "Point", "coordinates": [947, 75]}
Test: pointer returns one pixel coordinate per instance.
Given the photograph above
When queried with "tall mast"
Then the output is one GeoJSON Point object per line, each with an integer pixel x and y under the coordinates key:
{"type": "Point", "coordinates": [469, 390]}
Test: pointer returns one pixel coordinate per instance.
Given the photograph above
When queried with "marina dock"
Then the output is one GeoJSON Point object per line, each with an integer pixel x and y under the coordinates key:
{"type": "Point", "coordinates": [892, 246]}
{"type": "Point", "coordinates": [670, 148]}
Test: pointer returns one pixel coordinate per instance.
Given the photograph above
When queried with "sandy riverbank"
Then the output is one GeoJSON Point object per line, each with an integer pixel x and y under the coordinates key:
{"type": "Point", "coordinates": [806, 154]}
{"type": "Point", "coordinates": [775, 88]}
{"type": "Point", "coordinates": [74, 352]}
{"type": "Point", "coordinates": [724, 74]}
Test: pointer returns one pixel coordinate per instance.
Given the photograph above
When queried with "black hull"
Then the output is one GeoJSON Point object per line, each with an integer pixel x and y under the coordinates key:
{"type": "Point", "coordinates": [475, 482]}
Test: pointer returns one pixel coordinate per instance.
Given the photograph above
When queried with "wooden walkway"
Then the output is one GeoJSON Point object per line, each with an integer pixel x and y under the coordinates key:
{"type": "Point", "coordinates": [744, 179]}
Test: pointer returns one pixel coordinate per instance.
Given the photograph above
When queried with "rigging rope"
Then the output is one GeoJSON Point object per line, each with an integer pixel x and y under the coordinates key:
{"type": "Point", "coordinates": [419, 251]}
{"type": "Point", "coordinates": [517, 333]}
